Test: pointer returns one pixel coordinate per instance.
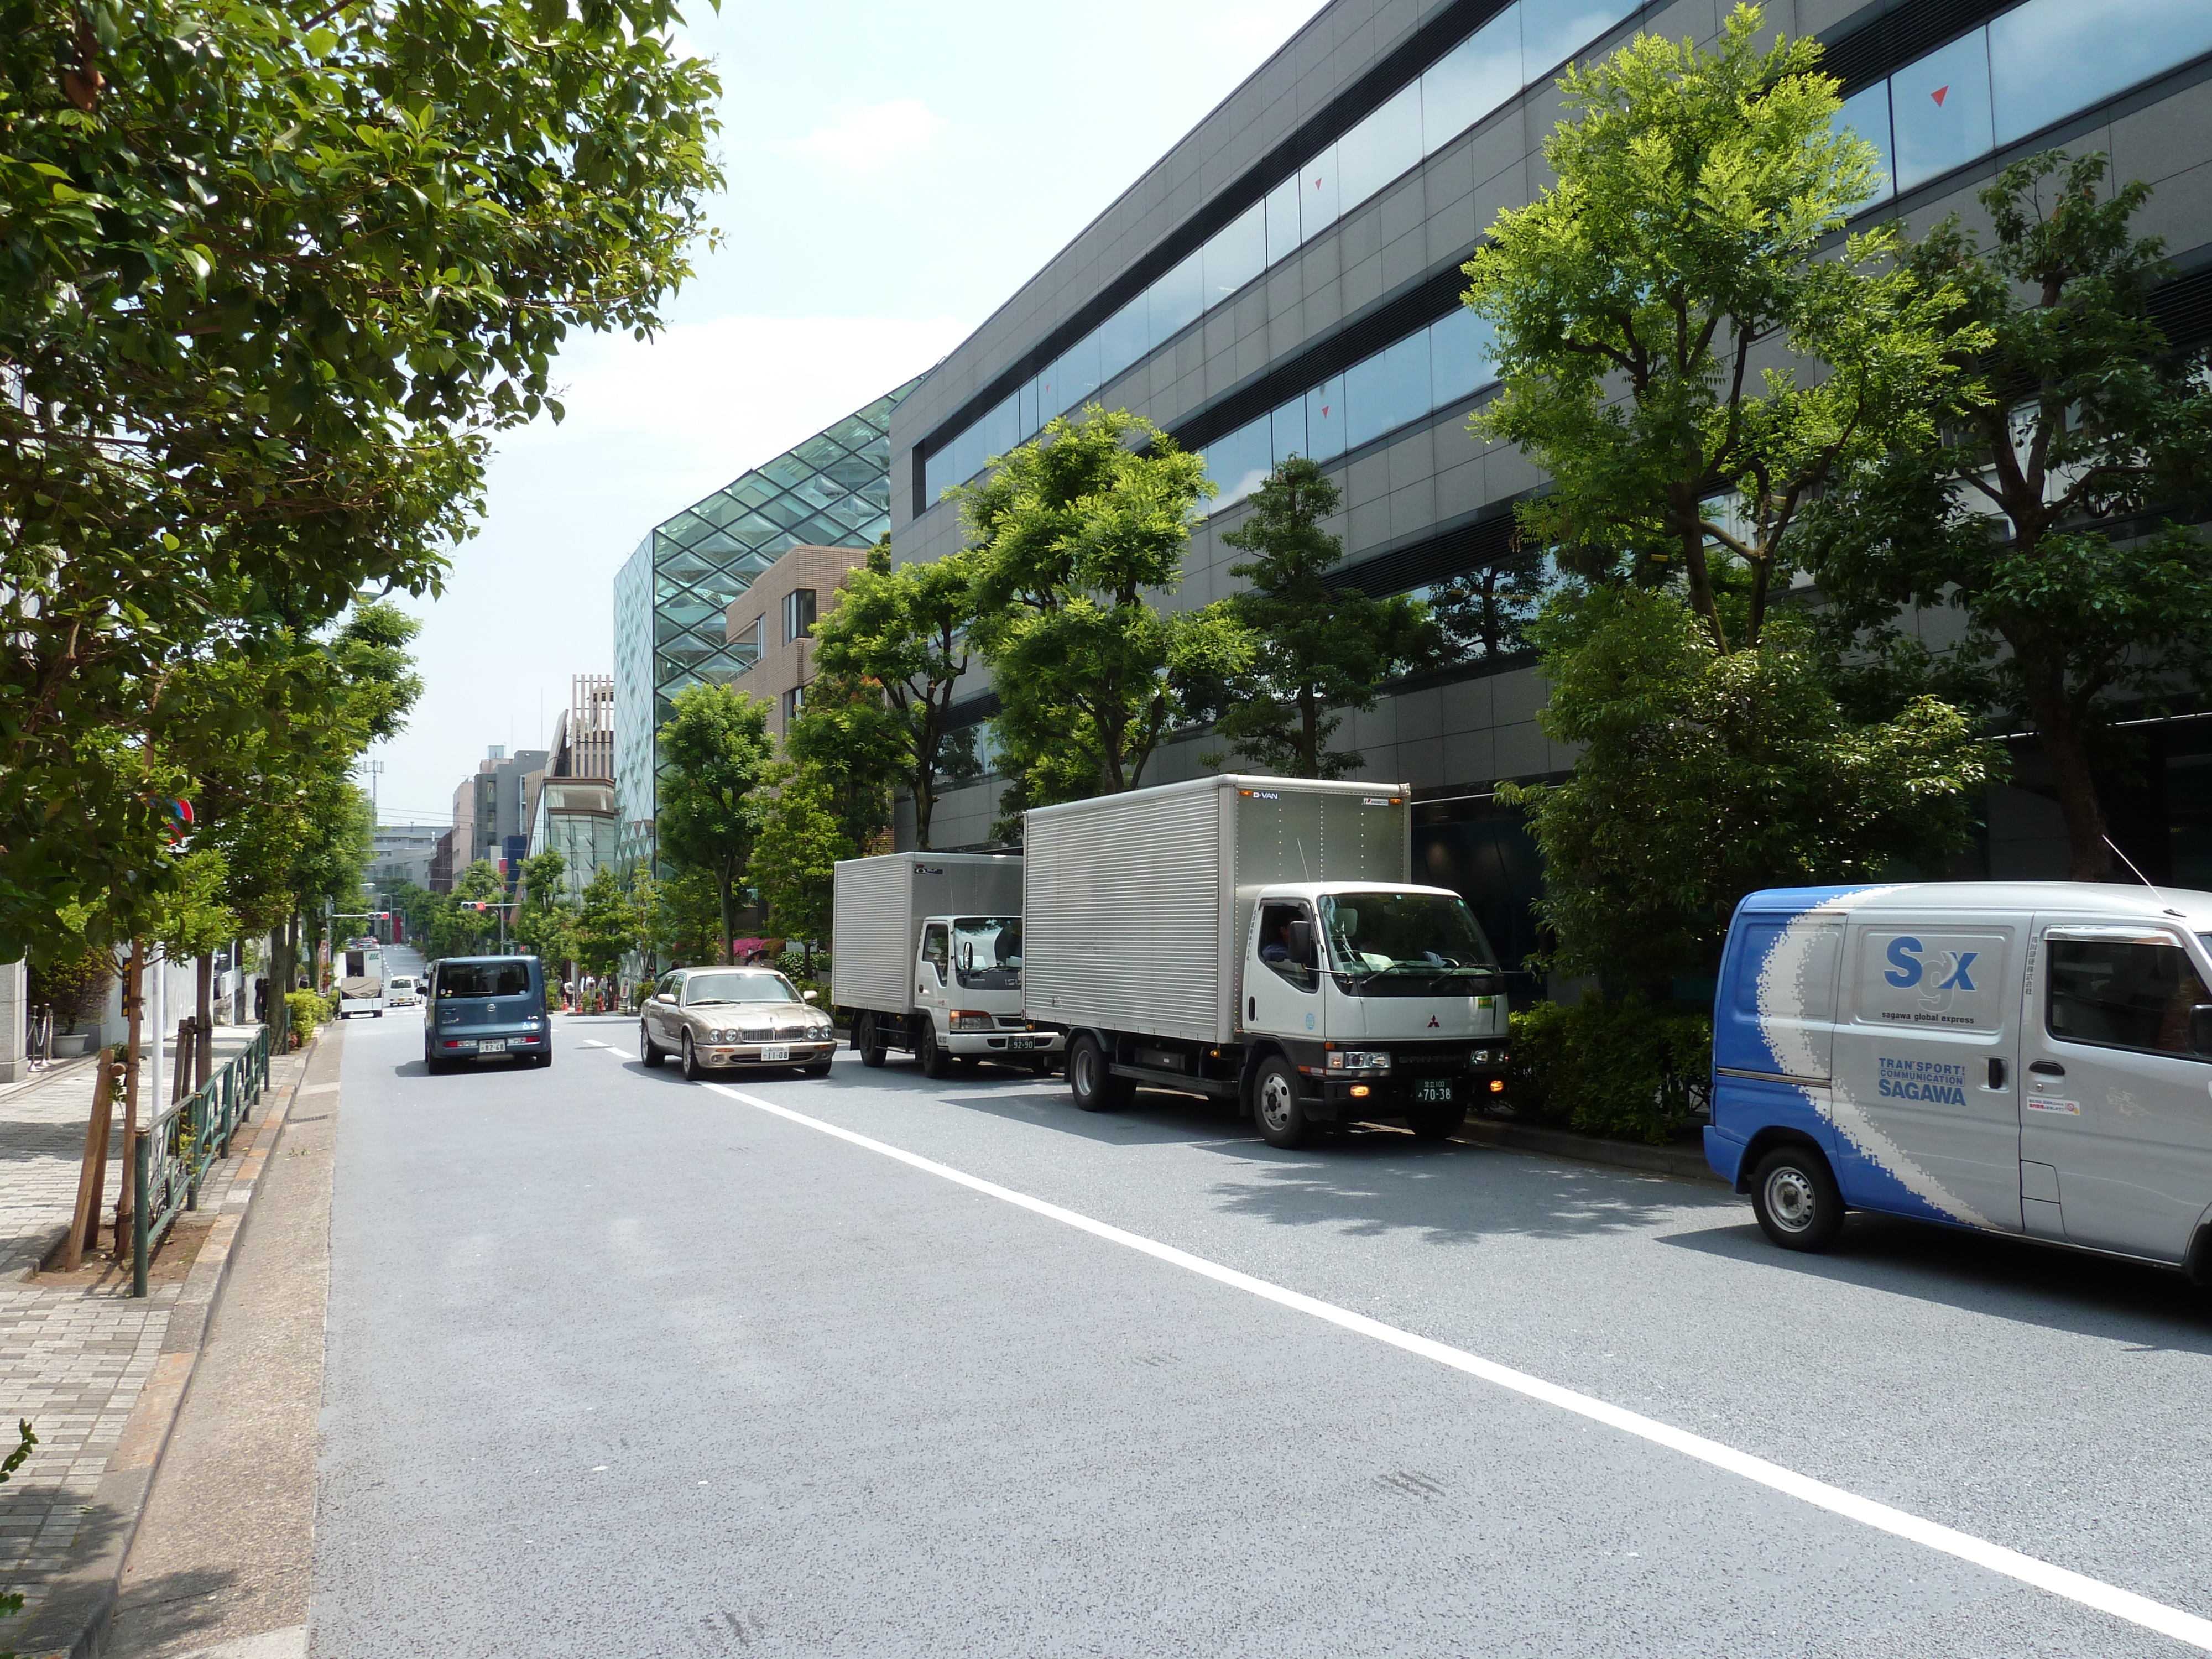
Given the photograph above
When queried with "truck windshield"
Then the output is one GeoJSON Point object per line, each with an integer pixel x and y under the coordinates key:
{"type": "Point", "coordinates": [1400, 944]}
{"type": "Point", "coordinates": [986, 952]}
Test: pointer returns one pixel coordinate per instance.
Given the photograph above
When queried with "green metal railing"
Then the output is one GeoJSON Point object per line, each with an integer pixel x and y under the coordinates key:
{"type": "Point", "coordinates": [181, 1144]}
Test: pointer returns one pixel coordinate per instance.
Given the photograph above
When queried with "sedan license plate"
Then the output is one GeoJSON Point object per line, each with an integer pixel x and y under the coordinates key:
{"type": "Point", "coordinates": [1021, 1042]}
{"type": "Point", "coordinates": [776, 1051]}
{"type": "Point", "coordinates": [1434, 1088]}
{"type": "Point", "coordinates": [492, 1046]}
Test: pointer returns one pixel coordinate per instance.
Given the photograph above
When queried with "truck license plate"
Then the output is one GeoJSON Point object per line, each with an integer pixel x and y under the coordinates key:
{"type": "Point", "coordinates": [1021, 1042]}
{"type": "Point", "coordinates": [776, 1051]}
{"type": "Point", "coordinates": [1434, 1088]}
{"type": "Point", "coordinates": [492, 1046]}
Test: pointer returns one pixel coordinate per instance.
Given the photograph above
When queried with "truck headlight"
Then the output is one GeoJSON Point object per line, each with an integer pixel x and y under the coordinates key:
{"type": "Point", "coordinates": [967, 1019]}
{"type": "Point", "coordinates": [1360, 1060]}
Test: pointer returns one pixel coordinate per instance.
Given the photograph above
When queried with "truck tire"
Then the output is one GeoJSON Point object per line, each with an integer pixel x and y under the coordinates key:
{"type": "Point", "coordinates": [868, 1038]}
{"type": "Point", "coordinates": [1437, 1123]}
{"type": "Point", "coordinates": [1794, 1194]}
{"type": "Point", "coordinates": [1095, 1089]}
{"type": "Point", "coordinates": [1276, 1106]}
{"type": "Point", "coordinates": [651, 1052]}
{"type": "Point", "coordinates": [935, 1062]}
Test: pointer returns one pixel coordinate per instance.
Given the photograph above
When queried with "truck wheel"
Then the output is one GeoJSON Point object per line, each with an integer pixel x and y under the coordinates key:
{"type": "Point", "coordinates": [1437, 1123]}
{"type": "Point", "coordinates": [652, 1054]}
{"type": "Point", "coordinates": [1276, 1106]}
{"type": "Point", "coordinates": [1794, 1196]}
{"type": "Point", "coordinates": [935, 1062]}
{"type": "Point", "coordinates": [868, 1038]}
{"type": "Point", "coordinates": [1095, 1089]}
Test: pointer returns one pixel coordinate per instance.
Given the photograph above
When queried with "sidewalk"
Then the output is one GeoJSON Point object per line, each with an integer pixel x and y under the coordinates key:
{"type": "Point", "coordinates": [76, 1350]}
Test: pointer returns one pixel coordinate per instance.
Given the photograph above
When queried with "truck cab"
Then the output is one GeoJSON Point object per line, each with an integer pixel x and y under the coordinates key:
{"type": "Point", "coordinates": [1364, 1000]}
{"type": "Point", "coordinates": [967, 1000]}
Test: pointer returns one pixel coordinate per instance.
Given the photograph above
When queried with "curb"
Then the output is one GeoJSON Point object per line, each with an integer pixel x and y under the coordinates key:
{"type": "Point", "coordinates": [1588, 1149]}
{"type": "Point", "coordinates": [72, 1622]}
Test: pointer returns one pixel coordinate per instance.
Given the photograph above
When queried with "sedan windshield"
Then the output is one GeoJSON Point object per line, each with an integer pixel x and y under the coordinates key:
{"type": "Point", "coordinates": [746, 985]}
{"type": "Point", "coordinates": [986, 952]}
{"type": "Point", "coordinates": [1423, 935]}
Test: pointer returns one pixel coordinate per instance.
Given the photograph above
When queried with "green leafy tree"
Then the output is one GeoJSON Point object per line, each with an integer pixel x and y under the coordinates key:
{"type": "Point", "coordinates": [1315, 649]}
{"type": "Point", "coordinates": [715, 753]}
{"type": "Point", "coordinates": [273, 283]}
{"type": "Point", "coordinates": [462, 930]}
{"type": "Point", "coordinates": [545, 915]}
{"type": "Point", "coordinates": [2040, 508]}
{"type": "Point", "coordinates": [1076, 535]}
{"type": "Point", "coordinates": [794, 862]}
{"type": "Point", "coordinates": [606, 928]}
{"type": "Point", "coordinates": [1651, 307]}
{"type": "Point", "coordinates": [1761, 780]}
{"type": "Point", "coordinates": [899, 638]}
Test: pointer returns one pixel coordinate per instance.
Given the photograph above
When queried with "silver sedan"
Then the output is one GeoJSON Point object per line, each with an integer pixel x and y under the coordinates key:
{"type": "Point", "coordinates": [734, 1019]}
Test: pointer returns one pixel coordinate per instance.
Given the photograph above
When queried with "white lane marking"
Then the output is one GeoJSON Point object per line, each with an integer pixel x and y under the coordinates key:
{"type": "Point", "coordinates": [619, 1054]}
{"type": "Point", "coordinates": [590, 1042]}
{"type": "Point", "coordinates": [1947, 1540]}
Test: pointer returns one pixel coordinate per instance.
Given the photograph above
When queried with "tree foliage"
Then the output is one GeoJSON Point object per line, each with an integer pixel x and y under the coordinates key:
{"type": "Point", "coordinates": [715, 754]}
{"type": "Point", "coordinates": [2041, 506]}
{"type": "Point", "coordinates": [794, 861]}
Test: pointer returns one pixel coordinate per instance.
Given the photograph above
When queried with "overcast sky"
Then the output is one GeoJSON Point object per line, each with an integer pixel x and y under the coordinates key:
{"type": "Point", "coordinates": [896, 171]}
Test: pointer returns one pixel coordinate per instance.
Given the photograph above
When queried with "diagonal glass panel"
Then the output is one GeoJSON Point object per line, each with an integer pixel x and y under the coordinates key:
{"type": "Point", "coordinates": [852, 472]}
{"type": "Point", "coordinates": [683, 528]}
{"type": "Point", "coordinates": [786, 511]}
{"type": "Point", "coordinates": [855, 432]}
{"type": "Point", "coordinates": [786, 471]}
{"type": "Point", "coordinates": [818, 451]}
{"type": "Point", "coordinates": [819, 491]}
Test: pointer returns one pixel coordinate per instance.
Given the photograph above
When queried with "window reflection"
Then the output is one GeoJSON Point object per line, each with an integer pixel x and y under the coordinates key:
{"type": "Point", "coordinates": [1238, 462]}
{"type": "Point", "coordinates": [1387, 390]}
{"type": "Point", "coordinates": [1282, 205]}
{"type": "Point", "coordinates": [1484, 614]}
{"type": "Point", "coordinates": [1236, 253]}
{"type": "Point", "coordinates": [1939, 110]}
{"type": "Point", "coordinates": [1471, 79]}
{"type": "Point", "coordinates": [1124, 338]}
{"type": "Point", "coordinates": [1325, 419]}
{"type": "Point", "coordinates": [1552, 33]}
{"type": "Point", "coordinates": [1462, 352]}
{"type": "Point", "coordinates": [1317, 195]}
{"type": "Point", "coordinates": [1867, 114]}
{"type": "Point", "coordinates": [2051, 58]}
{"type": "Point", "coordinates": [1289, 424]}
{"type": "Point", "coordinates": [1381, 146]}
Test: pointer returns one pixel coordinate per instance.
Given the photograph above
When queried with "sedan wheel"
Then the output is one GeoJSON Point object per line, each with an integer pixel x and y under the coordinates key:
{"type": "Point", "coordinates": [693, 1070]}
{"type": "Point", "coordinates": [654, 1055]}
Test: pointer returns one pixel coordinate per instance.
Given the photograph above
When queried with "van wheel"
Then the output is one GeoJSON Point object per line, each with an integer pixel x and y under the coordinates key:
{"type": "Point", "coordinates": [652, 1052]}
{"type": "Point", "coordinates": [935, 1062]}
{"type": "Point", "coordinates": [1276, 1106]}
{"type": "Point", "coordinates": [1095, 1089]}
{"type": "Point", "coordinates": [1794, 1196]}
{"type": "Point", "coordinates": [868, 1038]}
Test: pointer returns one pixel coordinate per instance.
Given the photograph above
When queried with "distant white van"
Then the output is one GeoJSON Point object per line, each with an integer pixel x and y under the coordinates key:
{"type": "Point", "coordinates": [2028, 1057]}
{"type": "Point", "coordinates": [399, 992]}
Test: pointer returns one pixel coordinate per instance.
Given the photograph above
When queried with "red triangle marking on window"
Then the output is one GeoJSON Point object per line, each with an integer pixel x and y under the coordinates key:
{"type": "Point", "coordinates": [1939, 94]}
{"type": "Point", "coordinates": [1324, 410]}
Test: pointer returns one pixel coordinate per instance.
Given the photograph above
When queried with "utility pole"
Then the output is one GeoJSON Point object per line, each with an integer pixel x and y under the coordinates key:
{"type": "Point", "coordinates": [375, 768]}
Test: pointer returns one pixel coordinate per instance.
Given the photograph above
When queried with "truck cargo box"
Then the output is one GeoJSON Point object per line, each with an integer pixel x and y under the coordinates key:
{"type": "Point", "coordinates": [879, 906]}
{"type": "Point", "coordinates": [1134, 907]}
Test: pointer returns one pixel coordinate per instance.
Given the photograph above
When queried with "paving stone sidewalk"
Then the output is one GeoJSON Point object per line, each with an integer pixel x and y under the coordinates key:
{"type": "Point", "coordinates": [77, 1351]}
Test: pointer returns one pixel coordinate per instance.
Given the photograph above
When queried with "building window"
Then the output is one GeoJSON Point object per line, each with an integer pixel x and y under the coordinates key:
{"type": "Point", "coordinates": [793, 700]}
{"type": "Point", "coordinates": [797, 614]}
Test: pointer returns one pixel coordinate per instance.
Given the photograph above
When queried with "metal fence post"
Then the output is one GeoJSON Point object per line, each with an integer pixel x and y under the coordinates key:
{"type": "Point", "coordinates": [138, 1216]}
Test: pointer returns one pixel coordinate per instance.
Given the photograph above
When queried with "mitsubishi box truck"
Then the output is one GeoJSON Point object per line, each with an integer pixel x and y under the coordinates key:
{"type": "Point", "coordinates": [1262, 940]}
{"type": "Point", "coordinates": [926, 956]}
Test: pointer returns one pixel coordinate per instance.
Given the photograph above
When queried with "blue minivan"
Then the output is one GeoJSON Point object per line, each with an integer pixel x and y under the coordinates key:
{"type": "Point", "coordinates": [484, 1008]}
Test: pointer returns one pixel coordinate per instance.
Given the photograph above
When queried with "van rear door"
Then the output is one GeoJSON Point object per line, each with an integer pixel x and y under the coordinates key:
{"type": "Point", "coordinates": [1923, 1096]}
{"type": "Point", "coordinates": [2118, 1108]}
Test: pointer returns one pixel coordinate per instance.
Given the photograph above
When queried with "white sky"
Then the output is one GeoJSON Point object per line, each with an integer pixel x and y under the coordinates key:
{"type": "Point", "coordinates": [895, 172]}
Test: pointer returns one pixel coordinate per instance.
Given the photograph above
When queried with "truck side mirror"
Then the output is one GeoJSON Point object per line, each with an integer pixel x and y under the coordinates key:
{"type": "Point", "coordinates": [1301, 943]}
{"type": "Point", "coordinates": [2200, 1029]}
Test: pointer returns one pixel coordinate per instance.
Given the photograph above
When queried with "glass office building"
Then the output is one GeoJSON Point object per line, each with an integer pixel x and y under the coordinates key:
{"type": "Point", "coordinates": [670, 595]}
{"type": "Point", "coordinates": [1286, 280]}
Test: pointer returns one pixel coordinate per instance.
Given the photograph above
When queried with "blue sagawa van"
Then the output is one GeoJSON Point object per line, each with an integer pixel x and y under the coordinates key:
{"type": "Point", "coordinates": [485, 1007]}
{"type": "Point", "coordinates": [2032, 1058]}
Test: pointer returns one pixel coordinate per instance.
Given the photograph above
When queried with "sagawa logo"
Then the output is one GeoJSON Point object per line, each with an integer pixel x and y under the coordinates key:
{"type": "Point", "coordinates": [1946, 971]}
{"type": "Point", "coordinates": [1935, 1081]}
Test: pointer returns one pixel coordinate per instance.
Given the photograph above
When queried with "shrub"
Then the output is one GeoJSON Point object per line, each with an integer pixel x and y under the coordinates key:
{"type": "Point", "coordinates": [75, 984]}
{"type": "Point", "coordinates": [1621, 1069]}
{"type": "Point", "coordinates": [307, 1010]}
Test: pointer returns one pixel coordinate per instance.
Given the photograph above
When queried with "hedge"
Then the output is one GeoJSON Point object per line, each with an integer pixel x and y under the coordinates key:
{"type": "Point", "coordinates": [1621, 1069]}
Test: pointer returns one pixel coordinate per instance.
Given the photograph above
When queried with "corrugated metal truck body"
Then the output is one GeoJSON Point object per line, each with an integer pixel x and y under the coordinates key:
{"type": "Point", "coordinates": [1135, 907]}
{"type": "Point", "coordinates": [880, 904]}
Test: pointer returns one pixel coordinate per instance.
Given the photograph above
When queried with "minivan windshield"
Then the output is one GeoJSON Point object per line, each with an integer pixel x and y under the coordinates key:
{"type": "Point", "coordinates": [747, 985]}
{"type": "Point", "coordinates": [483, 979]}
{"type": "Point", "coordinates": [1401, 943]}
{"type": "Point", "coordinates": [986, 952]}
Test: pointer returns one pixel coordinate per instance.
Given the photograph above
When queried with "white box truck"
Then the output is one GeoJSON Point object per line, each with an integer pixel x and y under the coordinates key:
{"type": "Point", "coordinates": [361, 983]}
{"type": "Point", "coordinates": [926, 956]}
{"type": "Point", "coordinates": [1260, 940]}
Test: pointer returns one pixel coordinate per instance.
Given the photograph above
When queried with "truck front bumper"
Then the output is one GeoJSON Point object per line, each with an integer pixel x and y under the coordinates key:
{"type": "Point", "coordinates": [992, 1044]}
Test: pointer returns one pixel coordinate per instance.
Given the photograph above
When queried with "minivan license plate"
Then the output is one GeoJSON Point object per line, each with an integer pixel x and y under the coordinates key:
{"type": "Point", "coordinates": [492, 1046]}
{"type": "Point", "coordinates": [1433, 1088]}
{"type": "Point", "coordinates": [776, 1051]}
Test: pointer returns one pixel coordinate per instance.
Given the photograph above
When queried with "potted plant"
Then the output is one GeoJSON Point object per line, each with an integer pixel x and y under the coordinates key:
{"type": "Point", "coordinates": [74, 985]}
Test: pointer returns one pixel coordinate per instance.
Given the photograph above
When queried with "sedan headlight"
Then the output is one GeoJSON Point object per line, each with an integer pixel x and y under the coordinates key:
{"type": "Point", "coordinates": [1360, 1060]}
{"type": "Point", "coordinates": [721, 1036]}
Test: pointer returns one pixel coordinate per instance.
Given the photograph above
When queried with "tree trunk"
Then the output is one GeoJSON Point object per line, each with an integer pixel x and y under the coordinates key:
{"type": "Point", "coordinates": [1308, 736]}
{"type": "Point", "coordinates": [203, 1032]}
{"type": "Point", "coordinates": [729, 928]}
{"type": "Point", "coordinates": [2065, 744]}
{"type": "Point", "coordinates": [134, 1004]}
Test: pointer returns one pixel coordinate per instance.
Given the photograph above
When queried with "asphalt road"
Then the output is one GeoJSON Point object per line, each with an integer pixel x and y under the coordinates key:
{"type": "Point", "coordinates": [621, 1365]}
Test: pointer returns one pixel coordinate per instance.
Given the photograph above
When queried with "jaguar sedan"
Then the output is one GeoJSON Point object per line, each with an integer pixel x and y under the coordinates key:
{"type": "Point", "coordinates": [734, 1019]}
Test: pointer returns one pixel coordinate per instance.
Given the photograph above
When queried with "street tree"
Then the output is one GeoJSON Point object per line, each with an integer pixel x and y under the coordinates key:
{"type": "Point", "coordinates": [1659, 309]}
{"type": "Point", "coordinates": [1076, 535]}
{"type": "Point", "coordinates": [546, 914]}
{"type": "Point", "coordinates": [2046, 507]}
{"type": "Point", "coordinates": [715, 754]}
{"type": "Point", "coordinates": [1316, 648]}
{"type": "Point", "coordinates": [794, 862]}
{"type": "Point", "coordinates": [605, 928]}
{"type": "Point", "coordinates": [898, 639]}
{"type": "Point", "coordinates": [272, 285]}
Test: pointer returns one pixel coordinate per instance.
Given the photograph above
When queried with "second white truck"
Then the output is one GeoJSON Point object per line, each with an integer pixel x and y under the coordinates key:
{"type": "Point", "coordinates": [1262, 940]}
{"type": "Point", "coordinates": [925, 957]}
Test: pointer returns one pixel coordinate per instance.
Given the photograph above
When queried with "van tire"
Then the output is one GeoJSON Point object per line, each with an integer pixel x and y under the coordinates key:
{"type": "Point", "coordinates": [868, 1038]}
{"type": "Point", "coordinates": [651, 1052]}
{"type": "Point", "coordinates": [1794, 1196]}
{"type": "Point", "coordinates": [1091, 1080]}
{"type": "Point", "coordinates": [1276, 1108]}
{"type": "Point", "coordinates": [935, 1062]}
